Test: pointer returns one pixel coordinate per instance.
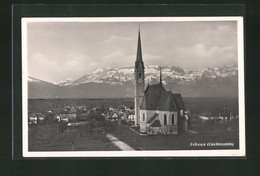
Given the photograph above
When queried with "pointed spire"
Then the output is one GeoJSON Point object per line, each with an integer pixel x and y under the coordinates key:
{"type": "Point", "coordinates": [139, 47]}
{"type": "Point", "coordinates": [160, 75]}
{"type": "Point", "coordinates": [139, 64]}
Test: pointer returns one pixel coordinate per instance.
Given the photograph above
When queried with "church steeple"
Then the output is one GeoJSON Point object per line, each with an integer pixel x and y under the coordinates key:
{"type": "Point", "coordinates": [139, 48]}
{"type": "Point", "coordinates": [139, 58]}
{"type": "Point", "coordinates": [139, 80]}
{"type": "Point", "coordinates": [160, 75]}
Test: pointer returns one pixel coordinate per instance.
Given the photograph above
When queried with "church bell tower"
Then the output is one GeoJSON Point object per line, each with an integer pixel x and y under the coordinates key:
{"type": "Point", "coordinates": [139, 80]}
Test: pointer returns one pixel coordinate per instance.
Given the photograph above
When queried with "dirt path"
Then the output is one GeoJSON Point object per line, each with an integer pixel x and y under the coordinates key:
{"type": "Point", "coordinates": [121, 145]}
{"type": "Point", "coordinates": [193, 132]}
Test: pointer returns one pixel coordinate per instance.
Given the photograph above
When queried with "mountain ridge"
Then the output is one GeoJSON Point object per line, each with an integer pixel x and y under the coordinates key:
{"type": "Point", "coordinates": [103, 82]}
{"type": "Point", "coordinates": [104, 75]}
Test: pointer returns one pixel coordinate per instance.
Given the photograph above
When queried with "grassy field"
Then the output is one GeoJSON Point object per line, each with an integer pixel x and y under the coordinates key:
{"type": "Point", "coordinates": [179, 142]}
{"type": "Point", "coordinates": [47, 137]}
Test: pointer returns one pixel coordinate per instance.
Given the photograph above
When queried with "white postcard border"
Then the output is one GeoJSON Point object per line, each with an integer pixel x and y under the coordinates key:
{"type": "Point", "coordinates": [165, 153]}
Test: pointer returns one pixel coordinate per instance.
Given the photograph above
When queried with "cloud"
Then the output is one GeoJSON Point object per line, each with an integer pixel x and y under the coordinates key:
{"type": "Point", "coordinates": [201, 56]}
{"type": "Point", "coordinates": [225, 28]}
{"type": "Point", "coordinates": [113, 55]}
{"type": "Point", "coordinates": [117, 59]}
{"type": "Point", "coordinates": [120, 59]}
{"type": "Point", "coordinates": [46, 68]}
{"type": "Point", "coordinates": [202, 51]}
{"type": "Point", "coordinates": [116, 38]}
{"type": "Point", "coordinates": [60, 50]}
{"type": "Point", "coordinates": [151, 57]}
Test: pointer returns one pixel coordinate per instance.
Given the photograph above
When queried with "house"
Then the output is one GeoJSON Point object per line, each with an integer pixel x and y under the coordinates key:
{"type": "Point", "coordinates": [35, 118]}
{"type": "Point", "coordinates": [123, 117]}
{"type": "Point", "coordinates": [111, 109]}
{"type": "Point", "coordinates": [114, 117]}
{"type": "Point", "coordinates": [32, 118]}
{"type": "Point", "coordinates": [131, 118]}
{"type": "Point", "coordinates": [66, 117]}
{"type": "Point", "coordinates": [57, 118]}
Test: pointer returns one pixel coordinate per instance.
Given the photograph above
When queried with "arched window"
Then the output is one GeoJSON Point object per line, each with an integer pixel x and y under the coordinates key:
{"type": "Point", "coordinates": [172, 119]}
{"type": "Point", "coordinates": [143, 117]}
{"type": "Point", "coordinates": [140, 74]}
{"type": "Point", "coordinates": [165, 119]}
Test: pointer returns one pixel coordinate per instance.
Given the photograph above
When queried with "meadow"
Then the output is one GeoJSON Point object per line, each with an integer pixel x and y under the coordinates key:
{"type": "Point", "coordinates": [180, 142]}
{"type": "Point", "coordinates": [49, 137]}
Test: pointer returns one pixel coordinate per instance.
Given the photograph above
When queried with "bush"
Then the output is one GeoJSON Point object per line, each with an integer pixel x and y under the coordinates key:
{"type": "Point", "coordinates": [62, 126]}
{"type": "Point", "coordinates": [109, 126]}
{"type": "Point", "coordinates": [124, 122]}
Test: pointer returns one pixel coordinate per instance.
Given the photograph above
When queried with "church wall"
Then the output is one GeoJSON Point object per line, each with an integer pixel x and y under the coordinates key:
{"type": "Point", "coordinates": [148, 114]}
{"type": "Point", "coordinates": [164, 129]}
{"type": "Point", "coordinates": [154, 130]}
{"type": "Point", "coordinates": [169, 117]}
{"type": "Point", "coordinates": [169, 128]}
{"type": "Point", "coordinates": [137, 111]}
{"type": "Point", "coordinates": [176, 119]}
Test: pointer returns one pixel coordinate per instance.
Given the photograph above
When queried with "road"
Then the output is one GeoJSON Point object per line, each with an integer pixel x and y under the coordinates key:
{"type": "Point", "coordinates": [121, 145]}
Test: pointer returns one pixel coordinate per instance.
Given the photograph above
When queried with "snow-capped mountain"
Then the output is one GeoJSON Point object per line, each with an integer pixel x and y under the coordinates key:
{"type": "Point", "coordinates": [111, 76]}
{"type": "Point", "coordinates": [119, 82]}
{"type": "Point", "coordinates": [170, 74]}
{"type": "Point", "coordinates": [35, 80]}
{"type": "Point", "coordinates": [65, 82]}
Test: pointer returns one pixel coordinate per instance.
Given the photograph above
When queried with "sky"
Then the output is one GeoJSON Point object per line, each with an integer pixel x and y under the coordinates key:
{"type": "Point", "coordinates": [61, 50]}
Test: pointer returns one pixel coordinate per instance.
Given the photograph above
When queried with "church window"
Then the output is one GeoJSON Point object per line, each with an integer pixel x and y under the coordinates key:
{"type": "Point", "coordinates": [165, 119]}
{"type": "Point", "coordinates": [143, 117]}
{"type": "Point", "coordinates": [173, 119]}
{"type": "Point", "coordinates": [140, 74]}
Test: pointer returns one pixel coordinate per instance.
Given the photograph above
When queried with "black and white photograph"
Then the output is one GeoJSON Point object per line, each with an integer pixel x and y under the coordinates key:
{"type": "Point", "coordinates": [133, 87]}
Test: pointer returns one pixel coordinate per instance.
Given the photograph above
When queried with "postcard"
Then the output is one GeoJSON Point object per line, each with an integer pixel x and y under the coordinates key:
{"type": "Point", "coordinates": [133, 87]}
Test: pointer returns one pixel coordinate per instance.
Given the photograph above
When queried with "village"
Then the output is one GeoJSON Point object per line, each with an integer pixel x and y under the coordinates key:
{"type": "Point", "coordinates": [222, 115]}
{"type": "Point", "coordinates": [75, 116]}
{"type": "Point", "coordinates": [79, 115]}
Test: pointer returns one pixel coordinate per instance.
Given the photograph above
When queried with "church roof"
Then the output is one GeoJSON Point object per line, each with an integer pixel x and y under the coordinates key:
{"type": "Point", "coordinates": [152, 118]}
{"type": "Point", "coordinates": [156, 123]}
{"type": "Point", "coordinates": [157, 98]}
{"type": "Point", "coordinates": [179, 101]}
{"type": "Point", "coordinates": [167, 102]}
{"type": "Point", "coordinates": [152, 96]}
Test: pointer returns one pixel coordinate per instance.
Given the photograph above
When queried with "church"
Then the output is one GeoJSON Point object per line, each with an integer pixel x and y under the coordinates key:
{"type": "Point", "coordinates": [157, 111]}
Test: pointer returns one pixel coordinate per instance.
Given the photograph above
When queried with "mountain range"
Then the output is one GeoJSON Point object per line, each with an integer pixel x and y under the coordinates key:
{"type": "Point", "coordinates": [119, 83]}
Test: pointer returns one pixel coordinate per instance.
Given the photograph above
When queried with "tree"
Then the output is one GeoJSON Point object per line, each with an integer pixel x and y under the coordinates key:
{"type": "Point", "coordinates": [72, 137]}
{"type": "Point", "coordinates": [100, 118]}
{"type": "Point", "coordinates": [49, 117]}
{"type": "Point", "coordinates": [62, 126]}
